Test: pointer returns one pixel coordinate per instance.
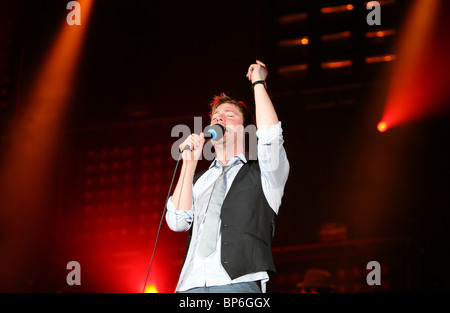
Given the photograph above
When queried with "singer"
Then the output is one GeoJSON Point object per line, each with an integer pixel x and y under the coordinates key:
{"type": "Point", "coordinates": [230, 209]}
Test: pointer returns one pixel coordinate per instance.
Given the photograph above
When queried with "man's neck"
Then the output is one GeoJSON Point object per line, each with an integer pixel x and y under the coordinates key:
{"type": "Point", "coordinates": [224, 156]}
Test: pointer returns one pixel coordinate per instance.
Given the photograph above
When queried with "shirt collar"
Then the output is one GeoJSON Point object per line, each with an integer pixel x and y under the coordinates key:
{"type": "Point", "coordinates": [237, 158]}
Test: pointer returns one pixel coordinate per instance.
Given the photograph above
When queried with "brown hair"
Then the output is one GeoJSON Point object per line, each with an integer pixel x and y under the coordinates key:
{"type": "Point", "coordinates": [223, 98]}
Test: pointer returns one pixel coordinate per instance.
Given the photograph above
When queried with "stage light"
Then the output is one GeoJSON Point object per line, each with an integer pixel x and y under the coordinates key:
{"type": "Point", "coordinates": [28, 163]}
{"type": "Point", "coordinates": [293, 18]}
{"type": "Point", "coordinates": [382, 127]}
{"type": "Point", "coordinates": [417, 87]}
{"type": "Point", "coordinates": [336, 9]}
{"type": "Point", "coordinates": [294, 42]}
{"type": "Point", "coordinates": [381, 58]}
{"type": "Point", "coordinates": [336, 36]}
{"type": "Point", "coordinates": [336, 64]}
{"type": "Point", "coordinates": [381, 33]}
{"type": "Point", "coordinates": [151, 288]}
{"type": "Point", "coordinates": [292, 68]}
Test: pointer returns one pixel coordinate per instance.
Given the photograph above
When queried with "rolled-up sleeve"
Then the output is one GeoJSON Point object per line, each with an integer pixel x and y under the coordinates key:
{"type": "Point", "coordinates": [273, 163]}
{"type": "Point", "coordinates": [178, 220]}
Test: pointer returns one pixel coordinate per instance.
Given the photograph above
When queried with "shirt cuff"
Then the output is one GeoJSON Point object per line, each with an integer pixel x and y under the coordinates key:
{"type": "Point", "coordinates": [187, 215]}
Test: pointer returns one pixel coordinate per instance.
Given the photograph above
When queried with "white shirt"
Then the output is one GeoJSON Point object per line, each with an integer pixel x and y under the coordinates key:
{"type": "Point", "coordinates": [198, 271]}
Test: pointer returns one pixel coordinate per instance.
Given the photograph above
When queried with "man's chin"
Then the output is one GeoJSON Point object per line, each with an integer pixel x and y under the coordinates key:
{"type": "Point", "coordinates": [220, 141]}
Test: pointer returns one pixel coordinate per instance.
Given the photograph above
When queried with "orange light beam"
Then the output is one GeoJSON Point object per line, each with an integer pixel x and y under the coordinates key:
{"type": "Point", "coordinates": [418, 79]}
{"type": "Point", "coordinates": [28, 159]}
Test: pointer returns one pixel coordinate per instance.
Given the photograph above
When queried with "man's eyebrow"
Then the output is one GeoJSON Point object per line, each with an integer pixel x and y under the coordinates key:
{"type": "Point", "coordinates": [224, 111]}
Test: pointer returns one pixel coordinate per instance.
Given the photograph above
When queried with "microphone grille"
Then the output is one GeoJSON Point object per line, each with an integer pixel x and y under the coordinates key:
{"type": "Point", "coordinates": [216, 131]}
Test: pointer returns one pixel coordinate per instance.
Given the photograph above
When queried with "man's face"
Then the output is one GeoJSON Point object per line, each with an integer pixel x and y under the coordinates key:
{"type": "Point", "coordinates": [229, 116]}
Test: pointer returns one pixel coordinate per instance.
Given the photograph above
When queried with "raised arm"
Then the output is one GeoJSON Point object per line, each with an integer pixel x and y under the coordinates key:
{"type": "Point", "coordinates": [265, 113]}
{"type": "Point", "coordinates": [272, 157]}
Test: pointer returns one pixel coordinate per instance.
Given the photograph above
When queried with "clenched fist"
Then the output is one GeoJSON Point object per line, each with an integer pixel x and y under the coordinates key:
{"type": "Point", "coordinates": [192, 147]}
{"type": "Point", "coordinates": [257, 71]}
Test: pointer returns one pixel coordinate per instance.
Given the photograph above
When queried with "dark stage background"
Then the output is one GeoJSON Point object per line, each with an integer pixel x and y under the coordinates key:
{"type": "Point", "coordinates": [354, 194]}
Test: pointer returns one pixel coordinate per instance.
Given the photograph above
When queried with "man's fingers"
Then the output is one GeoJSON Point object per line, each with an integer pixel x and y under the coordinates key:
{"type": "Point", "coordinates": [260, 63]}
{"type": "Point", "coordinates": [249, 75]}
{"type": "Point", "coordinates": [197, 140]}
{"type": "Point", "coordinates": [250, 70]}
{"type": "Point", "coordinates": [193, 141]}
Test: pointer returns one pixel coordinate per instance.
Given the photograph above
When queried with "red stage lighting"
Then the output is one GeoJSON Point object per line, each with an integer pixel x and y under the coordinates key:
{"type": "Point", "coordinates": [382, 126]}
{"type": "Point", "coordinates": [28, 165]}
{"type": "Point", "coordinates": [150, 288]}
{"type": "Point", "coordinates": [418, 84]}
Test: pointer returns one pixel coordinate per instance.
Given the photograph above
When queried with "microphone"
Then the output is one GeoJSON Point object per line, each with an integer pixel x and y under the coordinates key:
{"type": "Point", "coordinates": [215, 131]}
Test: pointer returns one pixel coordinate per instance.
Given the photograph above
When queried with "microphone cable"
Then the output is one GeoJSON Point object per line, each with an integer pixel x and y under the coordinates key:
{"type": "Point", "coordinates": [160, 222]}
{"type": "Point", "coordinates": [215, 131]}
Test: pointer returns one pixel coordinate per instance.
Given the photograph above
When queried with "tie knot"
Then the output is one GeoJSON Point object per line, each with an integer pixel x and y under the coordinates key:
{"type": "Point", "coordinates": [226, 168]}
